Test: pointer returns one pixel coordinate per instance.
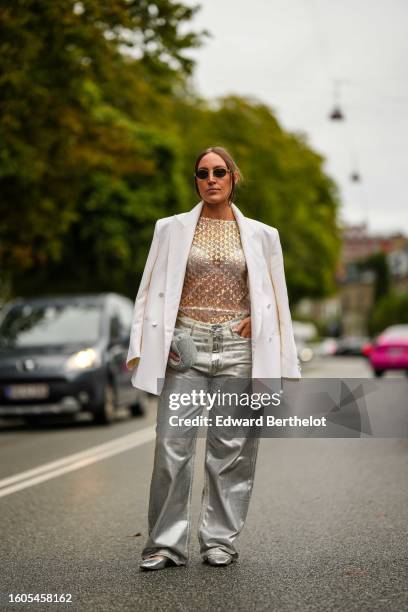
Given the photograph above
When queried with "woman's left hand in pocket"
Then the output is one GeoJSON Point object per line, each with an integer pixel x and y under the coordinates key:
{"type": "Point", "coordinates": [243, 327]}
{"type": "Point", "coordinates": [174, 356]}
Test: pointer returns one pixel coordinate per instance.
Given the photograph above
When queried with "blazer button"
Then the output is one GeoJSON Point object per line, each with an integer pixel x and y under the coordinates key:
{"type": "Point", "coordinates": [270, 338]}
{"type": "Point", "coordinates": [268, 306]}
{"type": "Point", "coordinates": [161, 294]}
{"type": "Point", "coordinates": [154, 323]}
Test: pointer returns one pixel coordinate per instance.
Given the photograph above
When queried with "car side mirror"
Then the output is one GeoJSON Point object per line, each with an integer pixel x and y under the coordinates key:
{"type": "Point", "coordinates": [122, 337]}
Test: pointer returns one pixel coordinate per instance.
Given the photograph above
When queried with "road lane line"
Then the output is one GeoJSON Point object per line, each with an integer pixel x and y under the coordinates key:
{"type": "Point", "coordinates": [76, 461]}
{"type": "Point", "coordinates": [68, 459]}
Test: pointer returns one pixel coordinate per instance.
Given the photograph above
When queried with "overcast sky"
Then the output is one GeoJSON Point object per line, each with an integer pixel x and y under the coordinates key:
{"type": "Point", "coordinates": [289, 53]}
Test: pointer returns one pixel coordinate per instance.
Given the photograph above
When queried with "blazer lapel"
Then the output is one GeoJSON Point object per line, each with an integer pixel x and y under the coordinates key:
{"type": "Point", "coordinates": [252, 247]}
{"type": "Point", "coordinates": [182, 230]}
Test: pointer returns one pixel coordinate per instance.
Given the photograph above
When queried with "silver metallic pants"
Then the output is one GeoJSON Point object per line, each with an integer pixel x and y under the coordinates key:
{"type": "Point", "coordinates": [229, 461]}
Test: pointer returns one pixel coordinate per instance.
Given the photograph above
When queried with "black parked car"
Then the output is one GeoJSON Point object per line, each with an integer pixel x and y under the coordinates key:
{"type": "Point", "coordinates": [66, 355]}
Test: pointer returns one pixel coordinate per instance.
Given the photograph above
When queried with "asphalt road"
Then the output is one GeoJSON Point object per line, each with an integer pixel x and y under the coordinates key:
{"type": "Point", "coordinates": [327, 527]}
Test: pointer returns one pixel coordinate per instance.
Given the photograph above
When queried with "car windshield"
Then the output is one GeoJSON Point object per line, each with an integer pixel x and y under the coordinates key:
{"type": "Point", "coordinates": [27, 325]}
{"type": "Point", "coordinates": [396, 331]}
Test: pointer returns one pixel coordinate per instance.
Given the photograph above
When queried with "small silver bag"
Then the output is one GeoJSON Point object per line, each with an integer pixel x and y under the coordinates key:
{"type": "Point", "coordinates": [183, 345]}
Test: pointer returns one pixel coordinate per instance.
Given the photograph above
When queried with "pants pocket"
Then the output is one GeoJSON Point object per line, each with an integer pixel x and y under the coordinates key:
{"type": "Point", "coordinates": [238, 336]}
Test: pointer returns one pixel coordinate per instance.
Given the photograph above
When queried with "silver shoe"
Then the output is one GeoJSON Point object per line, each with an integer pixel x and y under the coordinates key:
{"type": "Point", "coordinates": [156, 562]}
{"type": "Point", "coordinates": [218, 557]}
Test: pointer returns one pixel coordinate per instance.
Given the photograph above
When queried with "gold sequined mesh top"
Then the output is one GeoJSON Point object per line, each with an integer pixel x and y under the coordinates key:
{"type": "Point", "coordinates": [215, 286]}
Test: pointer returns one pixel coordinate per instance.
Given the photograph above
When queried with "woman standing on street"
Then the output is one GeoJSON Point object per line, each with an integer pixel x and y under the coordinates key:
{"type": "Point", "coordinates": [216, 278]}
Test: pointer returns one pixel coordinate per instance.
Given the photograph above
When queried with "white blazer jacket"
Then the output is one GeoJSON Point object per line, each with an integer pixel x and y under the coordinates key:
{"type": "Point", "coordinates": [274, 353]}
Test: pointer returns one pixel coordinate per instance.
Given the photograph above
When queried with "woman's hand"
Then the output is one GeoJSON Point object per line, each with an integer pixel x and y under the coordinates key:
{"type": "Point", "coordinates": [244, 327]}
{"type": "Point", "coordinates": [174, 356]}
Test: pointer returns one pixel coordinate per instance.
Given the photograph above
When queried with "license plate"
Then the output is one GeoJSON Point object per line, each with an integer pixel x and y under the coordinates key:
{"type": "Point", "coordinates": [33, 391]}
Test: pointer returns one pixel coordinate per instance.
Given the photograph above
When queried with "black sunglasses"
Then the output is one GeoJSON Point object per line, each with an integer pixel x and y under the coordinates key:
{"type": "Point", "coordinates": [203, 173]}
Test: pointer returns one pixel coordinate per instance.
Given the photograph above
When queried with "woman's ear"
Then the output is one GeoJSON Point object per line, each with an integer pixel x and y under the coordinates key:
{"type": "Point", "coordinates": [236, 177]}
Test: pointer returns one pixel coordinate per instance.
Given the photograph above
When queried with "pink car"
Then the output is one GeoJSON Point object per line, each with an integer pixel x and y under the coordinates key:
{"type": "Point", "coordinates": [389, 351]}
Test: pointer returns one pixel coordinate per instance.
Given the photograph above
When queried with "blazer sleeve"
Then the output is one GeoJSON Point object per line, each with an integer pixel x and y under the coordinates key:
{"type": "Point", "coordinates": [133, 355]}
{"type": "Point", "coordinates": [290, 366]}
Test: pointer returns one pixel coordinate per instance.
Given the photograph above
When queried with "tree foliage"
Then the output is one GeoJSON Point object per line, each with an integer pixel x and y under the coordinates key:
{"type": "Point", "coordinates": [392, 309]}
{"type": "Point", "coordinates": [378, 264]}
{"type": "Point", "coordinates": [284, 185]}
{"type": "Point", "coordinates": [99, 130]}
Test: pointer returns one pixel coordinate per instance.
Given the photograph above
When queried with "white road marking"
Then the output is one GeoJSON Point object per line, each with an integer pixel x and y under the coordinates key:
{"type": "Point", "coordinates": [44, 472]}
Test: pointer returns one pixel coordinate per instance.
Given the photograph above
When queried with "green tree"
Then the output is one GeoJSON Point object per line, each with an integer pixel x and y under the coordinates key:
{"type": "Point", "coordinates": [379, 265]}
{"type": "Point", "coordinates": [392, 309]}
{"type": "Point", "coordinates": [99, 130]}
{"type": "Point", "coordinates": [65, 125]}
{"type": "Point", "coordinates": [284, 185]}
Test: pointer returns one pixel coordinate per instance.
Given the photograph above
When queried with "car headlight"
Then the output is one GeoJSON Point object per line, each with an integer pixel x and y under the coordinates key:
{"type": "Point", "coordinates": [87, 358]}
